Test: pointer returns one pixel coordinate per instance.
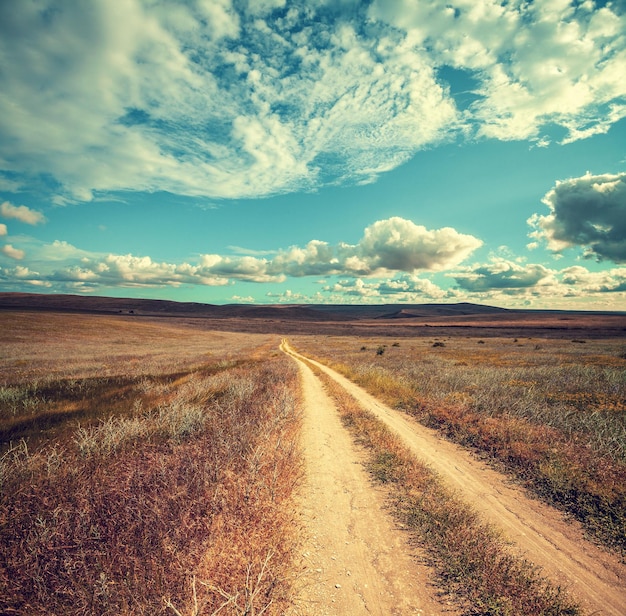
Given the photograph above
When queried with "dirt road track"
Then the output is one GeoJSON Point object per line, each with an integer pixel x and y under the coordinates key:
{"type": "Point", "coordinates": [355, 560]}
{"type": "Point", "coordinates": [595, 578]}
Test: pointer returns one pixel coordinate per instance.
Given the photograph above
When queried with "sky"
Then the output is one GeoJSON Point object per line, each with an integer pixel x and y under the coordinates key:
{"type": "Point", "coordinates": [315, 151]}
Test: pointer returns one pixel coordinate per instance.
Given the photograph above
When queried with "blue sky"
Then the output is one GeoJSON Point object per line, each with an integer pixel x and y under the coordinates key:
{"type": "Point", "coordinates": [388, 151]}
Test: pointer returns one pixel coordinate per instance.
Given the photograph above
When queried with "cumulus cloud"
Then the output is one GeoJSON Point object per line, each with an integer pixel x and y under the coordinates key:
{"type": "Point", "coordinates": [534, 62]}
{"type": "Point", "coordinates": [390, 245]}
{"type": "Point", "coordinates": [387, 246]}
{"type": "Point", "coordinates": [400, 289]}
{"type": "Point", "coordinates": [21, 213]}
{"type": "Point", "coordinates": [249, 269]}
{"type": "Point", "coordinates": [23, 276]}
{"type": "Point", "coordinates": [504, 282]}
{"type": "Point", "coordinates": [496, 283]}
{"type": "Point", "coordinates": [411, 288]}
{"type": "Point", "coordinates": [502, 274]}
{"type": "Point", "coordinates": [589, 211]}
{"type": "Point", "coordinates": [227, 99]}
{"type": "Point", "coordinates": [3, 229]}
{"type": "Point", "coordinates": [580, 278]}
{"type": "Point", "coordinates": [501, 281]}
{"type": "Point", "coordinates": [13, 253]}
{"type": "Point", "coordinates": [355, 288]}
{"type": "Point", "coordinates": [397, 244]}
{"type": "Point", "coordinates": [133, 271]}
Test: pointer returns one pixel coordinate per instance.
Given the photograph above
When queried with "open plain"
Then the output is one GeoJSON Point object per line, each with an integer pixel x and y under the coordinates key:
{"type": "Point", "coordinates": [170, 459]}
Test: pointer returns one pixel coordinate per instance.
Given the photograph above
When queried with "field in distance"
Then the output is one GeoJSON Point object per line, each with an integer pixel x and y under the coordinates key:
{"type": "Point", "coordinates": [394, 320]}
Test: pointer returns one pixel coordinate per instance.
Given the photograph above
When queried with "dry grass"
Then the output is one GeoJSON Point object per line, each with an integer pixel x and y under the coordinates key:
{"type": "Point", "coordinates": [472, 561]}
{"type": "Point", "coordinates": [170, 493]}
{"type": "Point", "coordinates": [551, 412]}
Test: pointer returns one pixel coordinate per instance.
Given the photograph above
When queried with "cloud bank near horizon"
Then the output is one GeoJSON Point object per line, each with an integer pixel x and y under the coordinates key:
{"type": "Point", "coordinates": [388, 246]}
{"type": "Point", "coordinates": [395, 261]}
{"type": "Point", "coordinates": [226, 100]}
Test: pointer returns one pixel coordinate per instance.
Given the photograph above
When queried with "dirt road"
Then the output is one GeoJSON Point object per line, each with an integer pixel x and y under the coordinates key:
{"type": "Point", "coordinates": [355, 561]}
{"type": "Point", "coordinates": [347, 535]}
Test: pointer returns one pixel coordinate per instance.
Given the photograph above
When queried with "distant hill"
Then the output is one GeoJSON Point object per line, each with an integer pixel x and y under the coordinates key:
{"type": "Point", "coordinates": [442, 310]}
{"type": "Point", "coordinates": [155, 307]}
{"type": "Point", "coordinates": [406, 311]}
{"type": "Point", "coordinates": [409, 313]}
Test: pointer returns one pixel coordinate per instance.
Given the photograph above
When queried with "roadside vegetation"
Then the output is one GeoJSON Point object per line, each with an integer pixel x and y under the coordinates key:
{"type": "Point", "coordinates": [550, 412]}
{"type": "Point", "coordinates": [473, 563]}
{"type": "Point", "coordinates": [147, 468]}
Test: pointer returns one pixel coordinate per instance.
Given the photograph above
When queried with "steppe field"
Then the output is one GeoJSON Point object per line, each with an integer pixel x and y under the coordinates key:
{"type": "Point", "coordinates": [154, 466]}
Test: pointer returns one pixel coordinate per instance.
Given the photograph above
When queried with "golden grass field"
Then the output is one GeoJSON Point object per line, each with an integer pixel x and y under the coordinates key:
{"type": "Point", "coordinates": [149, 466]}
{"type": "Point", "coordinates": [146, 469]}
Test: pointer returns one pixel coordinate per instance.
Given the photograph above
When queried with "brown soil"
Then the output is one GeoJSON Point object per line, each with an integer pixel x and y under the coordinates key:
{"type": "Point", "coordinates": [349, 531]}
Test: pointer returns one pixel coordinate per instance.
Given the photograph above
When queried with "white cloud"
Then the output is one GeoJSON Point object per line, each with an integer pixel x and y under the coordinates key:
{"type": "Point", "coordinates": [536, 62]}
{"type": "Point", "coordinates": [406, 289]}
{"type": "Point", "coordinates": [3, 229]}
{"type": "Point", "coordinates": [59, 251]}
{"type": "Point", "coordinates": [21, 275]}
{"type": "Point", "coordinates": [397, 244]}
{"type": "Point", "coordinates": [222, 19]}
{"type": "Point", "coordinates": [13, 253]}
{"type": "Point", "coordinates": [355, 288]}
{"type": "Point", "coordinates": [584, 281]}
{"type": "Point", "coordinates": [503, 282]}
{"type": "Point", "coordinates": [589, 211]}
{"type": "Point", "coordinates": [293, 297]}
{"type": "Point", "coordinates": [129, 270]}
{"type": "Point", "coordinates": [220, 99]}
{"type": "Point", "coordinates": [248, 299]}
{"type": "Point", "coordinates": [250, 269]}
{"type": "Point", "coordinates": [21, 213]}
{"type": "Point", "coordinates": [388, 246]}
{"type": "Point", "coordinates": [410, 288]}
